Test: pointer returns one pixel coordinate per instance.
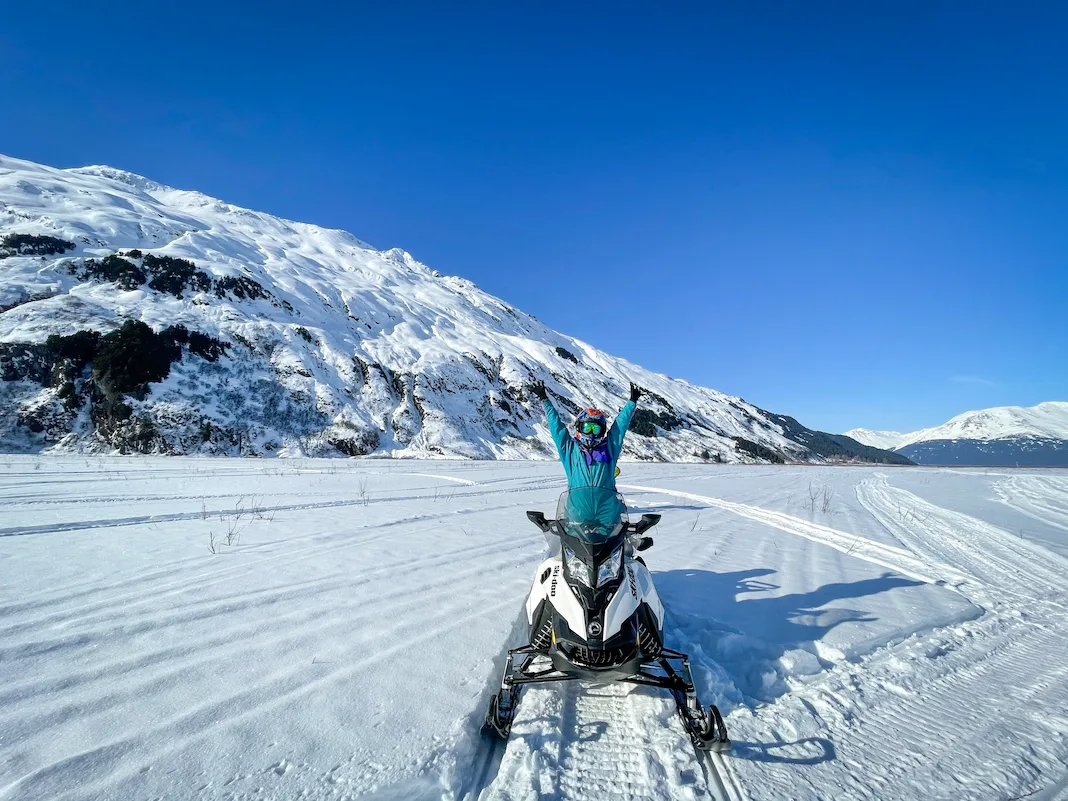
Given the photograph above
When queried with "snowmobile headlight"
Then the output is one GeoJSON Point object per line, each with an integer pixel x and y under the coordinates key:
{"type": "Point", "coordinates": [576, 567]}
{"type": "Point", "coordinates": [609, 568]}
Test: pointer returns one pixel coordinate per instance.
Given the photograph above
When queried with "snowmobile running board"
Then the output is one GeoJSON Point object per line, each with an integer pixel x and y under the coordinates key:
{"type": "Point", "coordinates": [705, 726]}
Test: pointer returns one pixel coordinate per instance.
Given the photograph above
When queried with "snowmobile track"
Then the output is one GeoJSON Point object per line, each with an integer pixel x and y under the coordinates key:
{"type": "Point", "coordinates": [575, 741]}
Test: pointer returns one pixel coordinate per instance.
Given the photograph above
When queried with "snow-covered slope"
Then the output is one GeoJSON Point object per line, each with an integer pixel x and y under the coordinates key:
{"type": "Point", "coordinates": [1046, 420]}
{"type": "Point", "coordinates": [887, 440]}
{"type": "Point", "coordinates": [314, 342]}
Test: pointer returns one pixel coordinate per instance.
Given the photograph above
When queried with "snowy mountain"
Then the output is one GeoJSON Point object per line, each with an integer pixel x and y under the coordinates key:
{"type": "Point", "coordinates": [887, 440]}
{"type": "Point", "coordinates": [1046, 420]}
{"type": "Point", "coordinates": [1004, 435]}
{"type": "Point", "coordinates": [142, 318]}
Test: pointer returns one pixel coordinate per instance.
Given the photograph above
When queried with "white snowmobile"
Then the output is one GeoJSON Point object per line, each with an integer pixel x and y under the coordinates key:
{"type": "Point", "coordinates": [594, 615]}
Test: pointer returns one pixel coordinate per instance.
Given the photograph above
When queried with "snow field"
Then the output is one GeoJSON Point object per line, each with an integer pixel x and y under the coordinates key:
{"type": "Point", "coordinates": [897, 640]}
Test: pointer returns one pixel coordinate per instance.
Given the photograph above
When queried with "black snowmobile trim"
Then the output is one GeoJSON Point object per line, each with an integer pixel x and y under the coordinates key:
{"type": "Point", "coordinates": [541, 631]}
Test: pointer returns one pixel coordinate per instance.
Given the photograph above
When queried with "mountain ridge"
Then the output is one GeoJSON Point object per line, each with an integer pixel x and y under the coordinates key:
{"type": "Point", "coordinates": [270, 336]}
{"type": "Point", "coordinates": [1033, 436]}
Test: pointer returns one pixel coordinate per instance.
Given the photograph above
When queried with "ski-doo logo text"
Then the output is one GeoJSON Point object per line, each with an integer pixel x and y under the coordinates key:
{"type": "Point", "coordinates": [552, 585]}
{"type": "Point", "coordinates": [632, 582]}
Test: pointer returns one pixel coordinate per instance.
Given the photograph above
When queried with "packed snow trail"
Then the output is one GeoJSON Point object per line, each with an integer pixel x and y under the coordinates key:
{"type": "Point", "coordinates": [1045, 498]}
{"type": "Point", "coordinates": [581, 742]}
{"type": "Point", "coordinates": [998, 563]}
{"type": "Point", "coordinates": [898, 559]}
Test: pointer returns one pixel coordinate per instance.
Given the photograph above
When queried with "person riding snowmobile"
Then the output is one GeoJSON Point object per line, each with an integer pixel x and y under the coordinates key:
{"type": "Point", "coordinates": [590, 453]}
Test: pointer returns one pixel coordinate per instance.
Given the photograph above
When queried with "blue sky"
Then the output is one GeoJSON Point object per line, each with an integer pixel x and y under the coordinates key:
{"type": "Point", "coordinates": [852, 213]}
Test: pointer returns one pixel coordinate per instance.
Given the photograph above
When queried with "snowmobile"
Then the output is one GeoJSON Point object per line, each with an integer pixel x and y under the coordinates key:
{"type": "Point", "coordinates": [594, 615]}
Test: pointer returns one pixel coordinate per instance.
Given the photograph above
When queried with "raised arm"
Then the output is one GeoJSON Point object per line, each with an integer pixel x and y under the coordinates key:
{"type": "Point", "coordinates": [557, 429]}
{"type": "Point", "coordinates": [622, 422]}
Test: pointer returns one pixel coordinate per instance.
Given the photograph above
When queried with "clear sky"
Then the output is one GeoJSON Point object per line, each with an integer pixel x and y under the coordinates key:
{"type": "Point", "coordinates": [852, 213]}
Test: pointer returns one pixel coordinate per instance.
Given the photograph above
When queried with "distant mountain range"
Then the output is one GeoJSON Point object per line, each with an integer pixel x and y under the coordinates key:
{"type": "Point", "coordinates": [139, 318]}
{"type": "Point", "coordinates": [1002, 436]}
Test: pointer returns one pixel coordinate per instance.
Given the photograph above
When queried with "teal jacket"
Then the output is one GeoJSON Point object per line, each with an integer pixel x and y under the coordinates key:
{"type": "Point", "coordinates": [595, 474]}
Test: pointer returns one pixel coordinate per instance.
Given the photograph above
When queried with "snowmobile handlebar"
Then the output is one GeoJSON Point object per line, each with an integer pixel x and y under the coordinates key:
{"type": "Point", "coordinates": [643, 525]}
{"type": "Point", "coordinates": [538, 519]}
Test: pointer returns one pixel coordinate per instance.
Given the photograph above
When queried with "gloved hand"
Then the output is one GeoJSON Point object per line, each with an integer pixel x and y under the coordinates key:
{"type": "Point", "coordinates": [635, 392]}
{"type": "Point", "coordinates": [538, 388]}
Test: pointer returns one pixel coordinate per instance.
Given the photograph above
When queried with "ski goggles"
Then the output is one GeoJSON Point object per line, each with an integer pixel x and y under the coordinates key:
{"type": "Point", "coordinates": [591, 427]}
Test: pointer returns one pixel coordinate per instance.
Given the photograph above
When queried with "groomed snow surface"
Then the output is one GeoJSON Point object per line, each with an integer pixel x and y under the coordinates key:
{"type": "Point", "coordinates": [870, 633]}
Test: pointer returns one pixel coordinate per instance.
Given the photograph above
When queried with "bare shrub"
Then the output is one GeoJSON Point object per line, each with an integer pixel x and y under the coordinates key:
{"type": "Point", "coordinates": [233, 533]}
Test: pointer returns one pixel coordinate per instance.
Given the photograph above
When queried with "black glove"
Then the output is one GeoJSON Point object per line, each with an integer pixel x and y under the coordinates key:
{"type": "Point", "coordinates": [635, 392]}
{"type": "Point", "coordinates": [538, 388]}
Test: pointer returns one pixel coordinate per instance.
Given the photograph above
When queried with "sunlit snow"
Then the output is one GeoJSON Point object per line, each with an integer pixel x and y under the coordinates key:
{"type": "Point", "coordinates": [324, 629]}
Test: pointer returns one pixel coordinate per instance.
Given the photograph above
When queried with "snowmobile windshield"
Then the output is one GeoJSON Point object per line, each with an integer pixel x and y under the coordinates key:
{"type": "Point", "coordinates": [591, 514]}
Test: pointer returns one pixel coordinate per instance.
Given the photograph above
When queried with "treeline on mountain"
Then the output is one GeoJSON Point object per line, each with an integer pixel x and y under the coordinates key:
{"type": "Point", "coordinates": [1020, 451]}
{"type": "Point", "coordinates": [105, 370]}
{"type": "Point", "coordinates": [167, 274]}
{"type": "Point", "coordinates": [127, 360]}
{"type": "Point", "coordinates": [32, 245]}
{"type": "Point", "coordinates": [757, 450]}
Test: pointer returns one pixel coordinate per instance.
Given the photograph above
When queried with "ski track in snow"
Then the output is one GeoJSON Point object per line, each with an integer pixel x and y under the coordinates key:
{"type": "Point", "coordinates": [1044, 498]}
{"type": "Point", "coordinates": [344, 647]}
{"type": "Point", "coordinates": [900, 560]}
{"type": "Point", "coordinates": [997, 562]}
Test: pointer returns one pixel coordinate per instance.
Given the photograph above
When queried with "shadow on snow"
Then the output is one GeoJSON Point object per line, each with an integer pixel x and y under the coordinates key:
{"type": "Point", "coordinates": [751, 644]}
{"type": "Point", "coordinates": [742, 650]}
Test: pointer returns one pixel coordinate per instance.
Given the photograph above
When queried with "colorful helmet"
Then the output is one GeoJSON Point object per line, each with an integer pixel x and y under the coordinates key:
{"type": "Point", "coordinates": [591, 428]}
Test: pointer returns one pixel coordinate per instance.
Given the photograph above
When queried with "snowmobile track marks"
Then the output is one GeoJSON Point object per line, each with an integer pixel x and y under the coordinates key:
{"type": "Point", "coordinates": [579, 742]}
{"type": "Point", "coordinates": [597, 759]}
{"type": "Point", "coordinates": [900, 560]}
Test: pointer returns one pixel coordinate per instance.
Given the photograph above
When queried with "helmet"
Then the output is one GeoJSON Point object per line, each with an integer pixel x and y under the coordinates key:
{"type": "Point", "coordinates": [591, 428]}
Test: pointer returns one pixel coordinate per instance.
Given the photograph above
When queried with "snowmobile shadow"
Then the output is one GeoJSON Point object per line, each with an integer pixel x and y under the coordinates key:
{"type": "Point", "coordinates": [744, 649]}
{"type": "Point", "coordinates": [813, 750]}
